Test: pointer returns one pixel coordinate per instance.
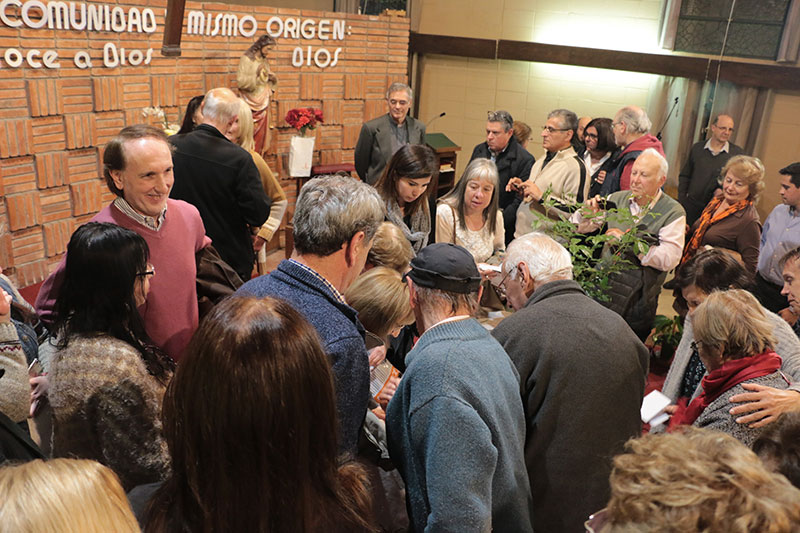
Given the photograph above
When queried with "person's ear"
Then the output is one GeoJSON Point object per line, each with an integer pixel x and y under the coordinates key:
{"type": "Point", "coordinates": [528, 284]}
{"type": "Point", "coordinates": [353, 248]}
{"type": "Point", "coordinates": [116, 177]}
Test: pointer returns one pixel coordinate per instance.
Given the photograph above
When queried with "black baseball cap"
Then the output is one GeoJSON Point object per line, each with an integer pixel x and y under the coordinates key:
{"type": "Point", "coordinates": [447, 267]}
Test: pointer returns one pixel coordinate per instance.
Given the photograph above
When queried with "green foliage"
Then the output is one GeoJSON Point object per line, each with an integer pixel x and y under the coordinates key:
{"type": "Point", "coordinates": [668, 331]}
{"type": "Point", "coordinates": [595, 257]}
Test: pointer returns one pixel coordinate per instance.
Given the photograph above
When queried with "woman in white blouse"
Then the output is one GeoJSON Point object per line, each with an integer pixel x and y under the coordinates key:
{"type": "Point", "coordinates": [468, 216]}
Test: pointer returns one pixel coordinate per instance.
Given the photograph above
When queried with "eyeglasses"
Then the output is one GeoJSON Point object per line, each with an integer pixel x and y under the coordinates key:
{"type": "Point", "coordinates": [151, 271]}
{"type": "Point", "coordinates": [615, 124]}
{"type": "Point", "coordinates": [590, 135]}
{"type": "Point", "coordinates": [695, 345]}
{"type": "Point", "coordinates": [501, 285]}
{"type": "Point", "coordinates": [551, 129]}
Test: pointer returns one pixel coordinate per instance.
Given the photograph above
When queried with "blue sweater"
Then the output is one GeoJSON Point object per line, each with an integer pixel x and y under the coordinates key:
{"type": "Point", "coordinates": [456, 432]}
{"type": "Point", "coordinates": [342, 338]}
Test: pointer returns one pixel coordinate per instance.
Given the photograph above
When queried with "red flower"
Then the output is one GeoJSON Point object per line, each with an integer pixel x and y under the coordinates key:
{"type": "Point", "coordinates": [304, 118]}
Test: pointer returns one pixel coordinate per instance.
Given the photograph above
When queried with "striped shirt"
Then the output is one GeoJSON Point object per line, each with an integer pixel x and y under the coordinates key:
{"type": "Point", "coordinates": [150, 222]}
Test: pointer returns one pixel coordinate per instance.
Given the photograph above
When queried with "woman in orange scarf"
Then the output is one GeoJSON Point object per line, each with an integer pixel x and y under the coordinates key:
{"type": "Point", "coordinates": [730, 221]}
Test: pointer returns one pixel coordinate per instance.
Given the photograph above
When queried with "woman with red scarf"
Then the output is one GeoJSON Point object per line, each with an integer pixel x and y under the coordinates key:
{"type": "Point", "coordinates": [730, 221]}
{"type": "Point", "coordinates": [734, 340]}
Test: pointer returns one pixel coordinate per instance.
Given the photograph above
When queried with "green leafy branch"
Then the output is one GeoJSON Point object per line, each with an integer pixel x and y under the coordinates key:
{"type": "Point", "coordinates": [596, 257]}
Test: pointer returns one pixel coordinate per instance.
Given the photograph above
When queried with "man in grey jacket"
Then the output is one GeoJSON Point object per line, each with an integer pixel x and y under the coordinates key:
{"type": "Point", "coordinates": [582, 373]}
{"type": "Point", "coordinates": [381, 137]}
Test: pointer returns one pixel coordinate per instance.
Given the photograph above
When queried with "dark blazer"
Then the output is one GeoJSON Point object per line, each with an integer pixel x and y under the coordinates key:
{"type": "Point", "coordinates": [15, 445]}
{"type": "Point", "coordinates": [514, 162]}
{"type": "Point", "coordinates": [220, 179]}
{"type": "Point", "coordinates": [375, 145]}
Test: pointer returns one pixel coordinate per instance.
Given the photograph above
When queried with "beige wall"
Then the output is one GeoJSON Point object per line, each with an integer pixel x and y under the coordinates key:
{"type": "Point", "coordinates": [779, 144]}
{"type": "Point", "coordinates": [467, 88]}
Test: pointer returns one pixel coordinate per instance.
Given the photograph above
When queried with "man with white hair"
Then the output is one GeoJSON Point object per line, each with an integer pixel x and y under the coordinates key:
{"type": "Point", "coordinates": [634, 293]}
{"type": "Point", "coordinates": [221, 180]}
{"type": "Point", "coordinates": [581, 397]}
{"type": "Point", "coordinates": [630, 127]}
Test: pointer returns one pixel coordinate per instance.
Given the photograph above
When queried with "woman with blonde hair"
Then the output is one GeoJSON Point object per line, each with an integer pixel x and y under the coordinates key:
{"type": "Point", "coordinates": [241, 133]}
{"type": "Point", "coordinates": [730, 221]}
{"type": "Point", "coordinates": [734, 339]}
{"type": "Point", "coordinates": [390, 249]}
{"type": "Point", "coordinates": [469, 215]}
{"type": "Point", "coordinates": [381, 298]}
{"type": "Point", "coordinates": [696, 480]}
{"type": "Point", "coordinates": [63, 496]}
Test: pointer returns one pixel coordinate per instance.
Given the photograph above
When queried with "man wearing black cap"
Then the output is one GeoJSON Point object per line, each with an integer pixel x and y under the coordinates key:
{"type": "Point", "coordinates": [780, 235]}
{"type": "Point", "coordinates": [455, 426]}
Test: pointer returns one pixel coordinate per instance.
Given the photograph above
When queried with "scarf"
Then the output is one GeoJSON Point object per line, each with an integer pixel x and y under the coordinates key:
{"type": "Point", "coordinates": [417, 235]}
{"type": "Point", "coordinates": [707, 219]}
{"type": "Point", "coordinates": [718, 381]}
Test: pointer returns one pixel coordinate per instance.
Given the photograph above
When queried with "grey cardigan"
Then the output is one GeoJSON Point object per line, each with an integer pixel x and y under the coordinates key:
{"type": "Point", "coordinates": [788, 347]}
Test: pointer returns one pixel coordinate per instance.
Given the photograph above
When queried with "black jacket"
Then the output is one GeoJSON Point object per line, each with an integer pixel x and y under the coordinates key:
{"type": "Point", "coordinates": [514, 162]}
{"type": "Point", "coordinates": [220, 179]}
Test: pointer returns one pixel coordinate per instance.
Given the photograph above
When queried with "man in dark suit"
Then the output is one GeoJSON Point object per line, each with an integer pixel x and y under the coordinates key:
{"type": "Point", "coordinates": [221, 180]}
{"type": "Point", "coordinates": [512, 160]}
{"type": "Point", "coordinates": [381, 137]}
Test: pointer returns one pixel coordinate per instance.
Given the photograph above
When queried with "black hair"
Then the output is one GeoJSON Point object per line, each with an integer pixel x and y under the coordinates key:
{"type": "Point", "coordinates": [188, 118]}
{"type": "Point", "coordinates": [713, 270]}
{"type": "Point", "coordinates": [103, 264]}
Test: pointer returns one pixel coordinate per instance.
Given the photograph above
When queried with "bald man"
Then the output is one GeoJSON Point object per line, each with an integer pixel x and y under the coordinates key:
{"type": "Point", "coordinates": [221, 180]}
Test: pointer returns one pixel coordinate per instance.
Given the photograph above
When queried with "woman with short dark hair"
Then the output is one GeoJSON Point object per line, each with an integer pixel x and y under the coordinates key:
{"type": "Point", "coordinates": [406, 186]}
{"type": "Point", "coordinates": [250, 421]}
{"type": "Point", "coordinates": [107, 379]}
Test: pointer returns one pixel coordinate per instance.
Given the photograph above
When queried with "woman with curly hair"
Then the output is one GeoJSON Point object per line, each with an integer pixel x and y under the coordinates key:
{"type": "Point", "coordinates": [695, 481]}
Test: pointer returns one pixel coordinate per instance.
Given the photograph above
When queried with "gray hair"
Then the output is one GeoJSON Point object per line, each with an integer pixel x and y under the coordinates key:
{"type": "Point", "coordinates": [546, 259]}
{"type": "Point", "coordinates": [635, 119]}
{"type": "Point", "coordinates": [433, 302]}
{"type": "Point", "coordinates": [569, 120]}
{"type": "Point", "coordinates": [220, 105]}
{"type": "Point", "coordinates": [663, 166]}
{"type": "Point", "coordinates": [503, 117]}
{"type": "Point", "coordinates": [331, 210]}
{"type": "Point", "coordinates": [397, 86]}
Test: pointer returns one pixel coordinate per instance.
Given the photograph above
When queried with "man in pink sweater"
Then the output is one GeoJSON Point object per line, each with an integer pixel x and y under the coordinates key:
{"type": "Point", "coordinates": [137, 166]}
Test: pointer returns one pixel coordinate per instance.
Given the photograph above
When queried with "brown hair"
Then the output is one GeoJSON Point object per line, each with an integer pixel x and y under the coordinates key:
{"type": "Point", "coordinates": [412, 161]}
{"type": "Point", "coordinates": [114, 152]}
{"type": "Point", "coordinates": [63, 496]}
{"type": "Point", "coordinates": [697, 480]}
{"type": "Point", "coordinates": [734, 320]}
{"type": "Point", "coordinates": [250, 421]}
{"type": "Point", "coordinates": [522, 132]}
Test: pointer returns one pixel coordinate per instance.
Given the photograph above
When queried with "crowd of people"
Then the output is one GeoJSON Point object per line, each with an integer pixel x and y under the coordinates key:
{"type": "Point", "coordinates": [369, 382]}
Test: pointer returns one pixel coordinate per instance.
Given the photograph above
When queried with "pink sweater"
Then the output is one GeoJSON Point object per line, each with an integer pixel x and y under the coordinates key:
{"type": "Point", "coordinates": [170, 313]}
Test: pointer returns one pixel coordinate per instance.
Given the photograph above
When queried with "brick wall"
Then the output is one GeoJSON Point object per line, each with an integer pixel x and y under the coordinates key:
{"type": "Point", "coordinates": [54, 122]}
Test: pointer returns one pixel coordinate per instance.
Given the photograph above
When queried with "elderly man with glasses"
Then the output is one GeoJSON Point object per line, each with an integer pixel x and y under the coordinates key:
{"type": "Point", "coordinates": [581, 397]}
{"type": "Point", "coordinates": [562, 171]}
{"type": "Point", "coordinates": [512, 160]}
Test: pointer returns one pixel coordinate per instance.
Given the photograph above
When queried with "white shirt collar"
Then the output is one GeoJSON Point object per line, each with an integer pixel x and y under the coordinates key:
{"type": "Point", "coordinates": [725, 147]}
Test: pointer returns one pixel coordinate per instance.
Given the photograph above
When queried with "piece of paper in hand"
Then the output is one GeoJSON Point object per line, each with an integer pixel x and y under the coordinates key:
{"type": "Point", "coordinates": [652, 406]}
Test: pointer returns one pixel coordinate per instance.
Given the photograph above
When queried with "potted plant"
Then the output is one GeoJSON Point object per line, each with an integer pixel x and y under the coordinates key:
{"type": "Point", "coordinates": [667, 334]}
{"type": "Point", "coordinates": [301, 148]}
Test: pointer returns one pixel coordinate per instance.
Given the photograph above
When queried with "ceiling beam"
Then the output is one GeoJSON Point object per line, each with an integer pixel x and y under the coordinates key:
{"type": "Point", "coordinates": [739, 72]}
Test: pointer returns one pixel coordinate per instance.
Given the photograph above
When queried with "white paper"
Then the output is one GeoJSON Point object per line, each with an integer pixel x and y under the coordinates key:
{"type": "Point", "coordinates": [653, 405]}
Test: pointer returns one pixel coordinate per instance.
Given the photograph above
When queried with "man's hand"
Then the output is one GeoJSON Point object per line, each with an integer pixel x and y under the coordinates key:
{"type": "Point", "coordinates": [514, 185]}
{"type": "Point", "coordinates": [530, 192]}
{"type": "Point", "coordinates": [258, 243]}
{"type": "Point", "coordinates": [39, 389]}
{"type": "Point", "coordinates": [387, 393]}
{"type": "Point", "coordinates": [592, 205]}
{"type": "Point", "coordinates": [764, 403]}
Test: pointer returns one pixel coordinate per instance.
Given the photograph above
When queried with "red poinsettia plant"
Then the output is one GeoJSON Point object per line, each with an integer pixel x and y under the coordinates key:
{"type": "Point", "coordinates": [304, 118]}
